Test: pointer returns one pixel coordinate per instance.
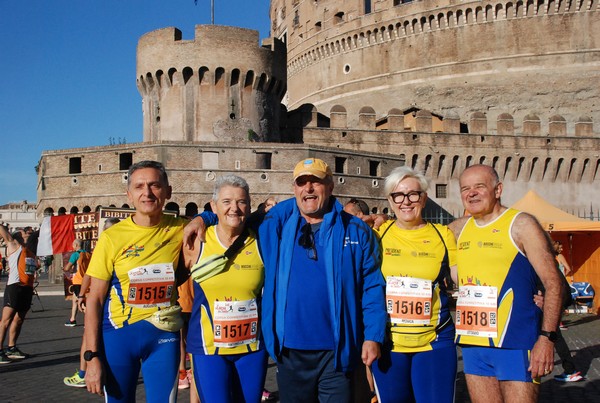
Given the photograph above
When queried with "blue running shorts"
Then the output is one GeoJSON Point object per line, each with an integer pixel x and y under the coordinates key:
{"type": "Point", "coordinates": [501, 363]}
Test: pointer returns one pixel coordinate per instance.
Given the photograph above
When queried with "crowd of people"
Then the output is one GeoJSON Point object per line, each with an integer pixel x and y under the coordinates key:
{"type": "Point", "coordinates": [325, 290]}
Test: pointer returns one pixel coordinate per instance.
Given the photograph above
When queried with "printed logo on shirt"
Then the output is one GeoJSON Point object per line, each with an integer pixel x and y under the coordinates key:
{"type": "Point", "coordinates": [464, 245]}
{"type": "Point", "coordinates": [348, 241]}
{"type": "Point", "coordinates": [133, 251]}
{"type": "Point", "coordinates": [414, 253]}
{"type": "Point", "coordinates": [489, 245]}
{"type": "Point", "coordinates": [393, 252]}
{"type": "Point", "coordinates": [237, 266]}
{"type": "Point", "coordinates": [471, 281]}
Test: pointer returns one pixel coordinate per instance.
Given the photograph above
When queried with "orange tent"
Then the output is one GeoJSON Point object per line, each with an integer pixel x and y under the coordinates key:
{"type": "Point", "coordinates": [580, 238]}
{"type": "Point", "coordinates": [552, 218]}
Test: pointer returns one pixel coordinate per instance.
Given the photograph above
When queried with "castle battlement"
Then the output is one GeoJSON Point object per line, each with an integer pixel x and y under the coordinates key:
{"type": "Point", "coordinates": [413, 119]}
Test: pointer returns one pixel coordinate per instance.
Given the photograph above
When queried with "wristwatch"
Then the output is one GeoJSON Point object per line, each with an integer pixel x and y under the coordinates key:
{"type": "Point", "coordinates": [89, 355]}
{"type": "Point", "coordinates": [552, 336]}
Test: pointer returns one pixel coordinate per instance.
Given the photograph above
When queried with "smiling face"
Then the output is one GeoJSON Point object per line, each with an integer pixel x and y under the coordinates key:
{"type": "Point", "coordinates": [480, 191]}
{"type": "Point", "coordinates": [312, 196]}
{"type": "Point", "coordinates": [408, 214]}
{"type": "Point", "coordinates": [232, 207]}
{"type": "Point", "coordinates": [148, 193]}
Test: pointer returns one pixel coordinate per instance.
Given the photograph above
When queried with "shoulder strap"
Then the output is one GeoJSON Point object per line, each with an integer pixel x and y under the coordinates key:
{"type": "Point", "coordinates": [444, 274]}
{"type": "Point", "coordinates": [385, 232]}
{"type": "Point", "coordinates": [236, 245]}
{"type": "Point", "coordinates": [445, 269]}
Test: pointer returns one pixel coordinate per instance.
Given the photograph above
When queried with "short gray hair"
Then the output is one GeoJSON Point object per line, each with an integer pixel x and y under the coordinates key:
{"type": "Point", "coordinates": [148, 164]}
{"type": "Point", "coordinates": [230, 180]}
{"type": "Point", "coordinates": [398, 174]}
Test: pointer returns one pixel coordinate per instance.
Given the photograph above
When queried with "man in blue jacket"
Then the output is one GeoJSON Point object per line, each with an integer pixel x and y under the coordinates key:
{"type": "Point", "coordinates": [323, 302]}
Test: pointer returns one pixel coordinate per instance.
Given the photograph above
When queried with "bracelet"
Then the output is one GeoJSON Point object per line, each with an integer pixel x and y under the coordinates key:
{"type": "Point", "coordinates": [81, 296]}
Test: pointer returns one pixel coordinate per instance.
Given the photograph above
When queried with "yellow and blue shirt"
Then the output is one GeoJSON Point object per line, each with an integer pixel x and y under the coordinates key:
{"type": "Point", "coordinates": [489, 259]}
{"type": "Point", "coordinates": [418, 255]}
{"type": "Point", "coordinates": [226, 308]}
{"type": "Point", "coordinates": [139, 262]}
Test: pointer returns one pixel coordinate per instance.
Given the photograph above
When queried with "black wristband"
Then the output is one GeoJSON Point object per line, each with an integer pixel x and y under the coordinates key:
{"type": "Point", "coordinates": [81, 296]}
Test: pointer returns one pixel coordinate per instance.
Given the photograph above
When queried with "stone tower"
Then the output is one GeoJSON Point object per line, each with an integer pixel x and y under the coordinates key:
{"type": "Point", "coordinates": [449, 57]}
{"type": "Point", "coordinates": [218, 87]}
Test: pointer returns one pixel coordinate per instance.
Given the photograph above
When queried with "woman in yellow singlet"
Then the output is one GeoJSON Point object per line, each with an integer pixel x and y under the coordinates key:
{"type": "Point", "coordinates": [229, 361]}
{"type": "Point", "coordinates": [418, 362]}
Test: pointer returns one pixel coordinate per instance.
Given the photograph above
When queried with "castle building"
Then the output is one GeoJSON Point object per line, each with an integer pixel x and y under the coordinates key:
{"type": "Point", "coordinates": [367, 86]}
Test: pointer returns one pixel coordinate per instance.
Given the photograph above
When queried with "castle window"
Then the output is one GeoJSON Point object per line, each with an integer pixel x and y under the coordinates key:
{"type": "Point", "coordinates": [374, 168]}
{"type": "Point", "coordinates": [263, 160]}
{"type": "Point", "coordinates": [75, 165]}
{"type": "Point", "coordinates": [296, 20]}
{"type": "Point", "coordinates": [340, 165]}
{"type": "Point", "coordinates": [172, 206]}
{"type": "Point", "coordinates": [125, 161]}
{"type": "Point", "coordinates": [495, 162]}
{"type": "Point", "coordinates": [427, 162]}
{"type": "Point", "coordinates": [187, 74]}
{"type": "Point", "coordinates": [318, 26]}
{"type": "Point", "coordinates": [235, 77]}
{"type": "Point", "coordinates": [339, 17]}
{"type": "Point", "coordinates": [367, 6]}
{"type": "Point", "coordinates": [210, 160]}
{"type": "Point", "coordinates": [441, 191]}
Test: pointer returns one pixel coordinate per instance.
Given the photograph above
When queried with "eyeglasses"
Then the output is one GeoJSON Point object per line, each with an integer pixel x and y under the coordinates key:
{"type": "Point", "coordinates": [307, 241]}
{"type": "Point", "coordinates": [413, 197]}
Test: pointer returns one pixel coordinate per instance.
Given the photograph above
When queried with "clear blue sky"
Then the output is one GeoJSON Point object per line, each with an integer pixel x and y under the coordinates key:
{"type": "Point", "coordinates": [68, 73]}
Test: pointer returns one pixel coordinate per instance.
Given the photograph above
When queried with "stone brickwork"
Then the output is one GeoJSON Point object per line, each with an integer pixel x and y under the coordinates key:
{"type": "Point", "coordinates": [193, 168]}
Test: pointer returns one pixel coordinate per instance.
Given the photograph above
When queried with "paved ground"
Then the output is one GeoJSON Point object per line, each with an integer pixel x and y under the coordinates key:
{"type": "Point", "coordinates": [55, 350]}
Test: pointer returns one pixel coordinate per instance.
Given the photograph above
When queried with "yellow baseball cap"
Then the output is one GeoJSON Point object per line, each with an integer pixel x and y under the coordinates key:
{"type": "Point", "coordinates": [312, 166]}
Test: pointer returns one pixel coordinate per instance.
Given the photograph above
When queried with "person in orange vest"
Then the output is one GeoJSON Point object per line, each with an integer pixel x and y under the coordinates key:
{"type": "Point", "coordinates": [18, 293]}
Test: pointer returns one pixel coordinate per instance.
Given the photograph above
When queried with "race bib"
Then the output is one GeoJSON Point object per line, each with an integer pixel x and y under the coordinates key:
{"type": "Point", "coordinates": [235, 323]}
{"type": "Point", "coordinates": [477, 311]}
{"type": "Point", "coordinates": [151, 286]}
{"type": "Point", "coordinates": [408, 300]}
